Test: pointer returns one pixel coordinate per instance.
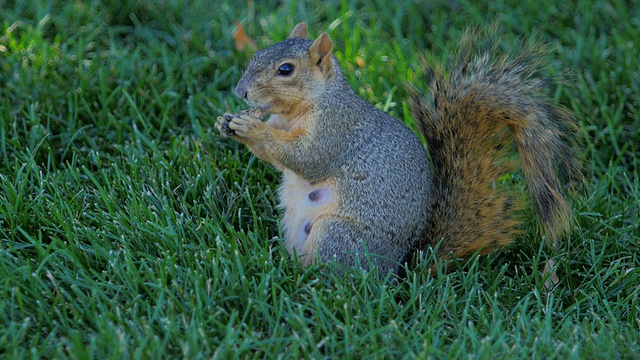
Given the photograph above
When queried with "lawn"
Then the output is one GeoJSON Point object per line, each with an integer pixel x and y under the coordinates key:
{"type": "Point", "coordinates": [130, 229]}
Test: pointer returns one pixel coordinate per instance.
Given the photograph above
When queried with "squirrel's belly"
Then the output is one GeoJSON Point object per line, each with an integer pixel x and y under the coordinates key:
{"type": "Point", "coordinates": [303, 203]}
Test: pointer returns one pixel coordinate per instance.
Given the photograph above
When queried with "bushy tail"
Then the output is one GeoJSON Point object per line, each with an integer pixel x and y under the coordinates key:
{"type": "Point", "coordinates": [478, 110]}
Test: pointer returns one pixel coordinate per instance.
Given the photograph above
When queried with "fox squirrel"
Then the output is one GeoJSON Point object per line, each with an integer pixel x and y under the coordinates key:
{"type": "Point", "coordinates": [357, 181]}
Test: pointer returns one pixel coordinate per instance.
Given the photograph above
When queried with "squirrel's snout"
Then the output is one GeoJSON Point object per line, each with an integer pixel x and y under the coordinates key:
{"type": "Point", "coordinates": [242, 89]}
{"type": "Point", "coordinates": [241, 92]}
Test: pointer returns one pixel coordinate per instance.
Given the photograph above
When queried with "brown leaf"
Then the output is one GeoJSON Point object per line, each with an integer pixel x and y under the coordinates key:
{"type": "Point", "coordinates": [243, 41]}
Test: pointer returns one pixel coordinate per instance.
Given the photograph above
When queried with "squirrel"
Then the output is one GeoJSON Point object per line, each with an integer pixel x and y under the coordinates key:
{"type": "Point", "coordinates": [357, 184]}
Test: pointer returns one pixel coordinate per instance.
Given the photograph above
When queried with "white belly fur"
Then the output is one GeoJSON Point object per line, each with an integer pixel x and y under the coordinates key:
{"type": "Point", "coordinates": [302, 209]}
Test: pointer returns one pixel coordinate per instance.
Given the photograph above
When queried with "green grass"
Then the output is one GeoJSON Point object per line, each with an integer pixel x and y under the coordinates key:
{"type": "Point", "coordinates": [130, 229]}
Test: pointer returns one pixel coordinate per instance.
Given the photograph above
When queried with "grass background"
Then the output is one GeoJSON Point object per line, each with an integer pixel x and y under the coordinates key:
{"type": "Point", "coordinates": [129, 229]}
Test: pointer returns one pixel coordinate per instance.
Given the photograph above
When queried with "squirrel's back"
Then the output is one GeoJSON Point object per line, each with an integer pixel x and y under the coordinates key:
{"type": "Point", "coordinates": [370, 189]}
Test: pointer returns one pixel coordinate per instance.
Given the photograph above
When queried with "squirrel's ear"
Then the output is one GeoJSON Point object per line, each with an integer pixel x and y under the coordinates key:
{"type": "Point", "coordinates": [299, 31]}
{"type": "Point", "coordinates": [320, 50]}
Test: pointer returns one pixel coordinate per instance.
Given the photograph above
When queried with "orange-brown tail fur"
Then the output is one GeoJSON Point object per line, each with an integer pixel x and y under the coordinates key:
{"type": "Point", "coordinates": [478, 109]}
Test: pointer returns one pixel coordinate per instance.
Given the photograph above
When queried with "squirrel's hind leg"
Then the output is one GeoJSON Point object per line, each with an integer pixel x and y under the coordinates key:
{"type": "Point", "coordinates": [333, 238]}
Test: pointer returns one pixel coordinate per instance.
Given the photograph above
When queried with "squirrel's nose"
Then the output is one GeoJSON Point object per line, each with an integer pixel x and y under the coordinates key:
{"type": "Point", "coordinates": [241, 90]}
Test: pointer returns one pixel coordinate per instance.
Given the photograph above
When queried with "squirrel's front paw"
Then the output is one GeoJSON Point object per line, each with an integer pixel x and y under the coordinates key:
{"type": "Point", "coordinates": [222, 124]}
{"type": "Point", "coordinates": [245, 121]}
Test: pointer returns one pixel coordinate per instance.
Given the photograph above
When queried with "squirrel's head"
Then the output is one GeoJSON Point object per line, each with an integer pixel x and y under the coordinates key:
{"type": "Point", "coordinates": [290, 76]}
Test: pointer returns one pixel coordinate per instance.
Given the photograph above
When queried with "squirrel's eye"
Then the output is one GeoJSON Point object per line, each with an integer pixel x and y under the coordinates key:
{"type": "Point", "coordinates": [285, 69]}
